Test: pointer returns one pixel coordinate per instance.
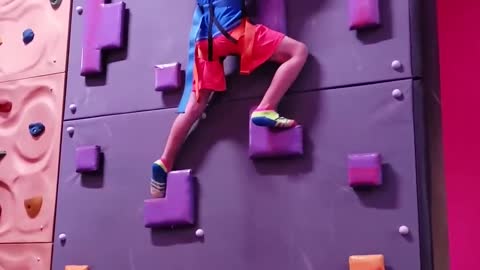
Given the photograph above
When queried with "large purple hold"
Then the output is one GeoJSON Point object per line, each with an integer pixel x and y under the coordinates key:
{"type": "Point", "coordinates": [272, 13]}
{"type": "Point", "coordinates": [167, 77]}
{"type": "Point", "coordinates": [177, 208]}
{"type": "Point", "coordinates": [265, 142]}
{"type": "Point", "coordinates": [104, 29]}
{"type": "Point", "coordinates": [87, 158]}
{"type": "Point", "coordinates": [363, 14]}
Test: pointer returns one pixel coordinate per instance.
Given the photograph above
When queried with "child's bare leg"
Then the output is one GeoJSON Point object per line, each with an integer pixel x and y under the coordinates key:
{"type": "Point", "coordinates": [292, 55]}
{"type": "Point", "coordinates": [178, 134]}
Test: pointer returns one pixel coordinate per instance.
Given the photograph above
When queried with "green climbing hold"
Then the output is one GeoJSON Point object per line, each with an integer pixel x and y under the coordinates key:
{"type": "Point", "coordinates": [55, 3]}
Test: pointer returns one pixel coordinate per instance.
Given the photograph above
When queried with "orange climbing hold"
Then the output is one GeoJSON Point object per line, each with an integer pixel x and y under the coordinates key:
{"type": "Point", "coordinates": [33, 206]}
{"type": "Point", "coordinates": [76, 267]}
{"type": "Point", "coordinates": [367, 262]}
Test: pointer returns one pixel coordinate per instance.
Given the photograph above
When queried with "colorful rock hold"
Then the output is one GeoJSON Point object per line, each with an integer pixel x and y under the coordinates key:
{"type": "Point", "coordinates": [55, 3]}
{"type": "Point", "coordinates": [33, 206]}
{"type": "Point", "coordinates": [28, 36]}
{"type": "Point", "coordinates": [36, 129]}
{"type": "Point", "coordinates": [5, 106]}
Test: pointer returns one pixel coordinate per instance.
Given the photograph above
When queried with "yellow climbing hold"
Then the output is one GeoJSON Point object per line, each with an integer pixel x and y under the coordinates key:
{"type": "Point", "coordinates": [33, 206]}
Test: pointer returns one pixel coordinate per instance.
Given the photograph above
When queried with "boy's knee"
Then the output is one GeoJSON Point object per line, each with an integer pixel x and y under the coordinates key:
{"type": "Point", "coordinates": [302, 50]}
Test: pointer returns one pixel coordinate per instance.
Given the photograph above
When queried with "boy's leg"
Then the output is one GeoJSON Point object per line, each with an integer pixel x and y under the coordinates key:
{"type": "Point", "coordinates": [178, 133]}
{"type": "Point", "coordinates": [292, 55]}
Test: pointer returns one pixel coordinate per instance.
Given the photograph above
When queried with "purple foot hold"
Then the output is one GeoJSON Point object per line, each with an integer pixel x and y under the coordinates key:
{"type": "Point", "coordinates": [168, 77]}
{"type": "Point", "coordinates": [103, 29]}
{"type": "Point", "coordinates": [364, 169]}
{"type": "Point", "coordinates": [363, 14]}
{"type": "Point", "coordinates": [268, 143]}
{"type": "Point", "coordinates": [87, 158]}
{"type": "Point", "coordinates": [177, 208]}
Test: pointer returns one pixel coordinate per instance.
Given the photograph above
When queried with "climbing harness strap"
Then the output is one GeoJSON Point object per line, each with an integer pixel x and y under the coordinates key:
{"type": "Point", "coordinates": [214, 21]}
{"type": "Point", "coordinates": [196, 24]}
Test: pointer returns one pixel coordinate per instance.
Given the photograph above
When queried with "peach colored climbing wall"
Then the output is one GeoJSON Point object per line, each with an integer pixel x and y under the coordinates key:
{"type": "Point", "coordinates": [46, 54]}
{"type": "Point", "coordinates": [28, 172]}
{"type": "Point", "coordinates": [25, 256]}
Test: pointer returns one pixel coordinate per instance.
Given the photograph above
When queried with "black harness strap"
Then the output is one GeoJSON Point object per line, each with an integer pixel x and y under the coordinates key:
{"type": "Point", "coordinates": [213, 21]}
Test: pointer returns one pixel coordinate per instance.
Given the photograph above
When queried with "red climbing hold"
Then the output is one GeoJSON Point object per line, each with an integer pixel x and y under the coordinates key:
{"type": "Point", "coordinates": [5, 106]}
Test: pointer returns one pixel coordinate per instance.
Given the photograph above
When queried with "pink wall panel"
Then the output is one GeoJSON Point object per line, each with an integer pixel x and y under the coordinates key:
{"type": "Point", "coordinates": [25, 256]}
{"type": "Point", "coordinates": [30, 168]}
{"type": "Point", "coordinates": [47, 53]}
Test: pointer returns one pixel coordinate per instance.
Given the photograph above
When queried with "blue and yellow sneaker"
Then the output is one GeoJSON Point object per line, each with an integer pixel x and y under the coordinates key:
{"type": "Point", "coordinates": [270, 118]}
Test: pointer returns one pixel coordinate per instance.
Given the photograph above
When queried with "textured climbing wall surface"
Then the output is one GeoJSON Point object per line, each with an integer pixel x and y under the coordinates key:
{"type": "Point", "coordinates": [339, 57]}
{"type": "Point", "coordinates": [46, 53]}
{"type": "Point", "coordinates": [272, 214]}
{"type": "Point", "coordinates": [28, 172]}
{"type": "Point", "coordinates": [25, 256]}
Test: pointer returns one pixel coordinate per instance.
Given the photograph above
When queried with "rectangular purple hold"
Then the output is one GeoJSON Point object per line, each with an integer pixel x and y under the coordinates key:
{"type": "Point", "coordinates": [168, 77]}
{"type": "Point", "coordinates": [87, 158]}
{"type": "Point", "coordinates": [111, 28]}
{"type": "Point", "coordinates": [103, 29]}
{"type": "Point", "coordinates": [265, 142]}
{"type": "Point", "coordinates": [364, 169]}
{"type": "Point", "coordinates": [177, 208]}
{"type": "Point", "coordinates": [363, 14]}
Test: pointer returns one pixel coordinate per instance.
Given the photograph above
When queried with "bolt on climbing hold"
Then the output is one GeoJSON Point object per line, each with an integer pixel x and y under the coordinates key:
{"type": "Point", "coordinates": [70, 131]}
{"type": "Point", "coordinates": [79, 10]}
{"type": "Point", "coordinates": [55, 3]}
{"type": "Point", "coordinates": [62, 237]}
{"type": "Point", "coordinates": [199, 233]}
{"type": "Point", "coordinates": [204, 116]}
{"type": "Point", "coordinates": [403, 230]}
{"type": "Point", "coordinates": [396, 65]}
{"type": "Point", "coordinates": [36, 129]}
{"type": "Point", "coordinates": [28, 36]}
{"type": "Point", "coordinates": [397, 93]}
{"type": "Point", "coordinates": [73, 108]}
{"type": "Point", "coordinates": [5, 106]}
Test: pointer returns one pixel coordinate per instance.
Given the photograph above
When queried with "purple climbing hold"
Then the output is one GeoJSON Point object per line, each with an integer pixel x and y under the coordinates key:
{"type": "Point", "coordinates": [103, 29]}
{"type": "Point", "coordinates": [167, 77]}
{"type": "Point", "coordinates": [87, 158]}
{"type": "Point", "coordinates": [36, 129]}
{"type": "Point", "coordinates": [178, 206]}
{"type": "Point", "coordinates": [364, 169]}
{"type": "Point", "coordinates": [28, 36]}
{"type": "Point", "coordinates": [265, 142]}
{"type": "Point", "coordinates": [363, 14]}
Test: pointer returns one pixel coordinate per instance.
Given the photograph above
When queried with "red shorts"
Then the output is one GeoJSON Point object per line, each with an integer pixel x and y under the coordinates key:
{"type": "Point", "coordinates": [209, 75]}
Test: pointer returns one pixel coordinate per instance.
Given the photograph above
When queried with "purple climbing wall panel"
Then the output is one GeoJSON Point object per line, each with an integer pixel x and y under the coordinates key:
{"type": "Point", "coordinates": [339, 57]}
{"type": "Point", "coordinates": [297, 213]}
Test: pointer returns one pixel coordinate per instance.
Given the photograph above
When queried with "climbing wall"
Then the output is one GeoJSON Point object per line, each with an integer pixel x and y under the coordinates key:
{"type": "Point", "coordinates": [33, 49]}
{"type": "Point", "coordinates": [357, 94]}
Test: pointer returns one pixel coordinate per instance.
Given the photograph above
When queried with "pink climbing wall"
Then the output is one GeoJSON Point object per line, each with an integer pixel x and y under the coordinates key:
{"type": "Point", "coordinates": [46, 54]}
{"type": "Point", "coordinates": [29, 170]}
{"type": "Point", "coordinates": [25, 256]}
{"type": "Point", "coordinates": [32, 79]}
